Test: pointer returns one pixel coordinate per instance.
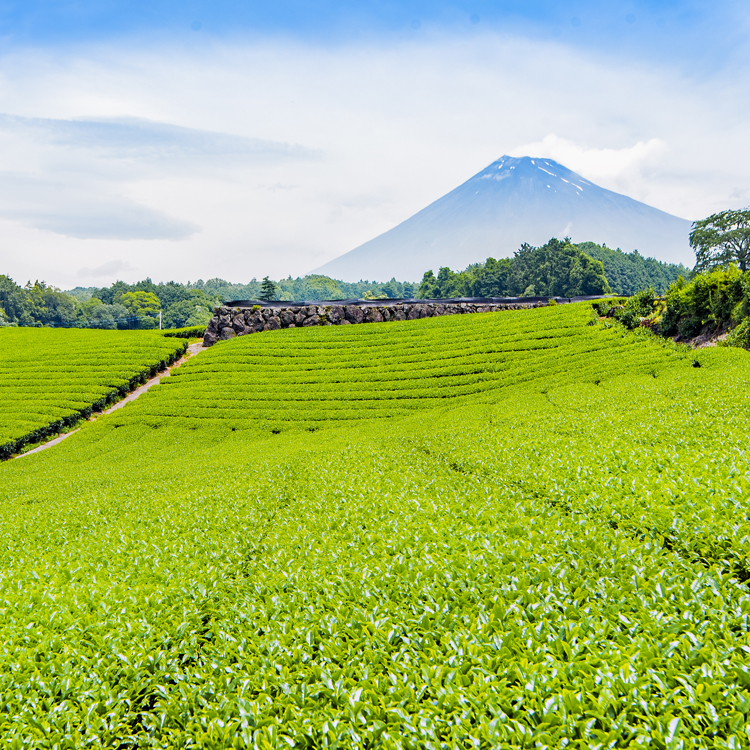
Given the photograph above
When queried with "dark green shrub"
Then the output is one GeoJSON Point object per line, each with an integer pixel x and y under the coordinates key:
{"type": "Point", "coordinates": [740, 336]}
{"type": "Point", "coordinates": [190, 332]}
{"type": "Point", "coordinates": [716, 297]}
{"type": "Point", "coordinates": [689, 327]}
{"type": "Point", "coordinates": [602, 307]}
{"type": "Point", "coordinates": [636, 310]}
{"type": "Point", "coordinates": [642, 303]}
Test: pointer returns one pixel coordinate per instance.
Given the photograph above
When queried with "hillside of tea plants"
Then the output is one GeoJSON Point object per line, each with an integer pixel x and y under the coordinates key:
{"type": "Point", "coordinates": [519, 529]}
{"type": "Point", "coordinates": [328, 375]}
{"type": "Point", "coordinates": [51, 379]}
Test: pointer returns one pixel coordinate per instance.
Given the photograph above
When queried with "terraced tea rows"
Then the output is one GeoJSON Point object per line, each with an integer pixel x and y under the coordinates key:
{"type": "Point", "coordinates": [305, 378]}
{"type": "Point", "coordinates": [50, 379]}
{"type": "Point", "coordinates": [561, 562]}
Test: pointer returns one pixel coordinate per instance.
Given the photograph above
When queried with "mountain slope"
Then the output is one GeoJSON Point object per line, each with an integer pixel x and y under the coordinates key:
{"type": "Point", "coordinates": [512, 201]}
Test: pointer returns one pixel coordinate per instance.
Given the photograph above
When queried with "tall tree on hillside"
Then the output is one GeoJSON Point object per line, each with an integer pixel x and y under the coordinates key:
{"type": "Point", "coordinates": [267, 290]}
{"type": "Point", "coordinates": [722, 239]}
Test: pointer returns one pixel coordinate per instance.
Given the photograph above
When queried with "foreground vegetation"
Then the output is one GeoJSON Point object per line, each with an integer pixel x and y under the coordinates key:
{"type": "Point", "coordinates": [540, 541]}
{"type": "Point", "coordinates": [51, 379]}
{"type": "Point", "coordinates": [712, 305]}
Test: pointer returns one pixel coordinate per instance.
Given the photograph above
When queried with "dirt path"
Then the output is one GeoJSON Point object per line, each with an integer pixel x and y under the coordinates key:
{"type": "Point", "coordinates": [192, 350]}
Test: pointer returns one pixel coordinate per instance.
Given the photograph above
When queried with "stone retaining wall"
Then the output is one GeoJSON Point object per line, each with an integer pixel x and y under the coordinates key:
{"type": "Point", "coordinates": [229, 322]}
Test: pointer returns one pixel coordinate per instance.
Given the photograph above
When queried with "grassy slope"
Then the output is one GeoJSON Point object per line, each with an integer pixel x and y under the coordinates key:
{"type": "Point", "coordinates": [310, 378]}
{"type": "Point", "coordinates": [560, 559]}
{"type": "Point", "coordinates": [51, 378]}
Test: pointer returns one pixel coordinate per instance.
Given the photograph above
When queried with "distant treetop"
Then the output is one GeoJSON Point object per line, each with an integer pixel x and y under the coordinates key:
{"type": "Point", "coordinates": [722, 239]}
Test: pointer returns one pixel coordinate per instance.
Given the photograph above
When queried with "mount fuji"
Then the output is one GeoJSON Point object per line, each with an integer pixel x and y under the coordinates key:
{"type": "Point", "coordinates": [512, 201]}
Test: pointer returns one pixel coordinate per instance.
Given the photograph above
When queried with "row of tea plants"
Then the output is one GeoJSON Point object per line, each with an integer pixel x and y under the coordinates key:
{"type": "Point", "coordinates": [52, 378]}
{"type": "Point", "coordinates": [557, 556]}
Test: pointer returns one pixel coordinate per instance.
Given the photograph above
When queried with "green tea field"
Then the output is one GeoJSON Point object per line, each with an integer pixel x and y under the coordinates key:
{"type": "Point", "coordinates": [525, 529]}
{"type": "Point", "coordinates": [50, 379]}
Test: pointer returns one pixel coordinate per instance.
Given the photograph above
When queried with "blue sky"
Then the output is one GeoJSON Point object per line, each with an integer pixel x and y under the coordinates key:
{"type": "Point", "coordinates": [626, 25]}
{"type": "Point", "coordinates": [683, 32]}
{"type": "Point", "coordinates": [194, 139]}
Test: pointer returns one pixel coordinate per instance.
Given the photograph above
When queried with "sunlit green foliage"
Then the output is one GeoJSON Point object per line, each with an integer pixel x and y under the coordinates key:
{"type": "Point", "coordinates": [557, 268]}
{"type": "Point", "coordinates": [50, 379]}
{"type": "Point", "coordinates": [552, 552]}
{"type": "Point", "coordinates": [722, 240]}
{"type": "Point", "coordinates": [716, 297]}
{"type": "Point", "coordinates": [309, 378]}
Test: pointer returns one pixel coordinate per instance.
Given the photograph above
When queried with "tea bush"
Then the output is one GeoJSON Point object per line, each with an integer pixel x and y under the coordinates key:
{"type": "Point", "coordinates": [52, 378]}
{"type": "Point", "coordinates": [506, 530]}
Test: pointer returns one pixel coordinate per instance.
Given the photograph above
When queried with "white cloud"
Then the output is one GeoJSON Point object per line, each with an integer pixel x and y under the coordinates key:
{"type": "Point", "coordinates": [137, 137]}
{"type": "Point", "coordinates": [382, 132]}
{"type": "Point", "coordinates": [86, 208]}
{"type": "Point", "coordinates": [609, 167]}
{"type": "Point", "coordinates": [78, 180]}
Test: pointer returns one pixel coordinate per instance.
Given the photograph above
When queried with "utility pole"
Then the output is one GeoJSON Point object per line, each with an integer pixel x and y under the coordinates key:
{"type": "Point", "coordinates": [160, 320]}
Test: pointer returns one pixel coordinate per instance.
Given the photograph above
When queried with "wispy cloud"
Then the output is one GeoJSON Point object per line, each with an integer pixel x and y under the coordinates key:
{"type": "Point", "coordinates": [136, 137]}
{"type": "Point", "coordinates": [74, 185]}
{"type": "Point", "coordinates": [86, 209]}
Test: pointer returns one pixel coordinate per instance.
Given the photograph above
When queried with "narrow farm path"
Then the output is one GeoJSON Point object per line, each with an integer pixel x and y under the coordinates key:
{"type": "Point", "coordinates": [192, 350]}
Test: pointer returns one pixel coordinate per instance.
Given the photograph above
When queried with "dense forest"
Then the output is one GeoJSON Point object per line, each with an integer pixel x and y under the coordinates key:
{"type": "Point", "coordinates": [557, 268]}
{"type": "Point", "coordinates": [552, 270]}
{"type": "Point", "coordinates": [119, 306]}
{"type": "Point", "coordinates": [628, 273]}
{"type": "Point", "coordinates": [312, 287]}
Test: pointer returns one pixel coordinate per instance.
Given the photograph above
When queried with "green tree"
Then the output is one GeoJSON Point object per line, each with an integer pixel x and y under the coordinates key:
{"type": "Point", "coordinates": [119, 315]}
{"type": "Point", "coordinates": [315, 287]}
{"type": "Point", "coordinates": [587, 277]}
{"type": "Point", "coordinates": [187, 312]}
{"type": "Point", "coordinates": [428, 289]}
{"type": "Point", "coordinates": [141, 305]}
{"type": "Point", "coordinates": [267, 290]}
{"type": "Point", "coordinates": [14, 303]}
{"type": "Point", "coordinates": [720, 240]}
{"type": "Point", "coordinates": [101, 317]}
{"type": "Point", "coordinates": [491, 279]}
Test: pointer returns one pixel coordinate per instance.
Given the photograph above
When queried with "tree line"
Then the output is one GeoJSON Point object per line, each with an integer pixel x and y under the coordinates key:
{"type": "Point", "coordinates": [556, 269]}
{"type": "Point", "coordinates": [120, 306]}
{"type": "Point", "coordinates": [138, 305]}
